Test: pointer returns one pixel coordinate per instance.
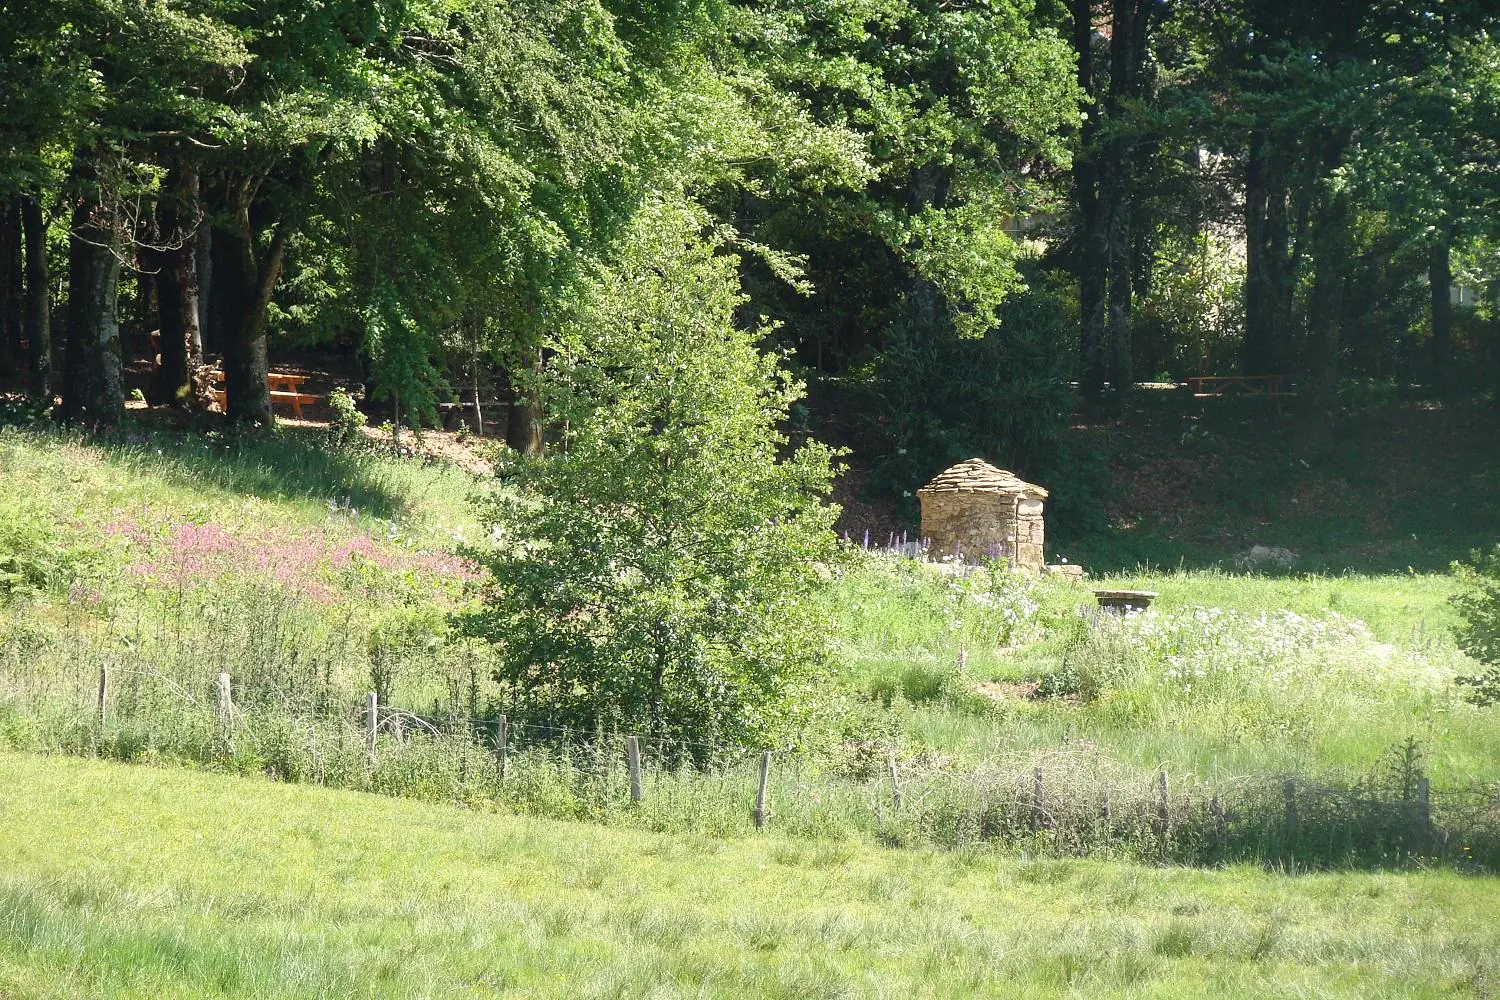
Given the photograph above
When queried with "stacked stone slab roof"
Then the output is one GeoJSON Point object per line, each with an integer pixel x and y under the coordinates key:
{"type": "Point", "coordinates": [978, 476]}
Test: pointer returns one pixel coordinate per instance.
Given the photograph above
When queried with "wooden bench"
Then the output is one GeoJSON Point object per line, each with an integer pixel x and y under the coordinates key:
{"type": "Point", "coordinates": [285, 387]}
{"type": "Point", "coordinates": [1208, 386]}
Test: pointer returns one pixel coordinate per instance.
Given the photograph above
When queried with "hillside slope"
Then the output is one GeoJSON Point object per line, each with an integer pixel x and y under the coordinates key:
{"type": "Point", "coordinates": [1372, 485]}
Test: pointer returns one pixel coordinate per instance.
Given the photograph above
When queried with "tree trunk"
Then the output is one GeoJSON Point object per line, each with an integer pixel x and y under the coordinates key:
{"type": "Point", "coordinates": [1325, 322]}
{"type": "Point", "coordinates": [243, 284]}
{"type": "Point", "coordinates": [1118, 181]}
{"type": "Point", "coordinates": [38, 320]}
{"type": "Point", "coordinates": [11, 288]}
{"type": "Point", "coordinates": [1267, 284]}
{"type": "Point", "coordinates": [1117, 225]}
{"type": "Point", "coordinates": [143, 308]}
{"type": "Point", "coordinates": [1129, 29]}
{"type": "Point", "coordinates": [524, 427]}
{"type": "Point", "coordinates": [204, 258]}
{"type": "Point", "coordinates": [1440, 277]}
{"type": "Point", "coordinates": [478, 406]}
{"type": "Point", "coordinates": [93, 391]}
{"type": "Point", "coordinates": [1093, 242]}
{"type": "Point", "coordinates": [1326, 303]}
{"type": "Point", "coordinates": [177, 289]}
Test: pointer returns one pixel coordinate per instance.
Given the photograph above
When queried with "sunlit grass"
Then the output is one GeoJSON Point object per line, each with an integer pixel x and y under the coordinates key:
{"type": "Point", "coordinates": [918, 640]}
{"type": "Point", "coordinates": [941, 671]}
{"type": "Point", "coordinates": [158, 883]}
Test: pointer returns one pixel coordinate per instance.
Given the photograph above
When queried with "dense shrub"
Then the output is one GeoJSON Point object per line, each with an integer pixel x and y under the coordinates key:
{"type": "Point", "coordinates": [35, 555]}
{"type": "Point", "coordinates": [936, 398]}
{"type": "Point", "coordinates": [1479, 629]}
{"type": "Point", "coordinates": [348, 421]}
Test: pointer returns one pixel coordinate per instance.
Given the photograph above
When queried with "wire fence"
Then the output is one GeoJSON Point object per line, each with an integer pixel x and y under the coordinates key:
{"type": "Point", "coordinates": [1070, 800]}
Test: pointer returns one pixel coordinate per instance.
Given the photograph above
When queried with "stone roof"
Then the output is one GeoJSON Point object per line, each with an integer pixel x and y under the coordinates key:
{"type": "Point", "coordinates": [978, 476]}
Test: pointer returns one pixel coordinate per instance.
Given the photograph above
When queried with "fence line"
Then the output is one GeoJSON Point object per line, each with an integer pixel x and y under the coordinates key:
{"type": "Point", "coordinates": [1073, 801]}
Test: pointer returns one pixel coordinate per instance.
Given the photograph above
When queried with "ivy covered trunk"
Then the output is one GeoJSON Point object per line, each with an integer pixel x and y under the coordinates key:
{"type": "Point", "coordinates": [927, 188]}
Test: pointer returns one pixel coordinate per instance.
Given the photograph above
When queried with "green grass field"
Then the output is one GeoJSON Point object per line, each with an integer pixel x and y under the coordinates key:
{"type": "Point", "coordinates": [141, 882]}
{"type": "Point", "coordinates": [312, 574]}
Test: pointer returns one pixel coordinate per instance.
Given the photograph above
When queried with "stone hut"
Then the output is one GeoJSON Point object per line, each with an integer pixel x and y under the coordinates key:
{"type": "Point", "coordinates": [977, 510]}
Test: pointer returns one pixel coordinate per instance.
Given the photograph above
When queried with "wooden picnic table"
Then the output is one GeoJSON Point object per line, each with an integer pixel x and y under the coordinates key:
{"type": "Point", "coordinates": [286, 388]}
{"type": "Point", "coordinates": [1250, 385]}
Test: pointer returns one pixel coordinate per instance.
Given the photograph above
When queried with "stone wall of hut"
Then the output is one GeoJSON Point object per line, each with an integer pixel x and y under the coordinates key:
{"type": "Point", "coordinates": [1030, 536]}
{"type": "Point", "coordinates": [979, 525]}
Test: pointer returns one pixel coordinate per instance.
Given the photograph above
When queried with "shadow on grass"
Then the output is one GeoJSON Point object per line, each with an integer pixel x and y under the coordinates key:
{"type": "Point", "coordinates": [289, 465]}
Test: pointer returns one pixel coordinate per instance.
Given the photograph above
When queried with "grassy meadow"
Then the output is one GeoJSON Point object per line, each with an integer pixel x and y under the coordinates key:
{"type": "Point", "coordinates": [1003, 710]}
{"type": "Point", "coordinates": [1088, 805]}
{"type": "Point", "coordinates": [165, 883]}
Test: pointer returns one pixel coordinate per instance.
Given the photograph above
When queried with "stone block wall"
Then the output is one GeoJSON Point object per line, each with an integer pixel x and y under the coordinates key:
{"type": "Point", "coordinates": [978, 524]}
{"type": "Point", "coordinates": [1030, 537]}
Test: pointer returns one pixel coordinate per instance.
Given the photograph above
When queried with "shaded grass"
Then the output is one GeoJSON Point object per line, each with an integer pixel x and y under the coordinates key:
{"type": "Point", "coordinates": [290, 477]}
{"type": "Point", "coordinates": [1368, 485]}
{"type": "Point", "coordinates": [163, 883]}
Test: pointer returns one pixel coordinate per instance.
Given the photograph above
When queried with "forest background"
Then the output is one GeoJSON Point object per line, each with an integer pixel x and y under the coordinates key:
{"type": "Point", "coordinates": [952, 220]}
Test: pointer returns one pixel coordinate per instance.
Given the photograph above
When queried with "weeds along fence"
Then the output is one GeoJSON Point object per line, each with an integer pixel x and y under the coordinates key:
{"type": "Point", "coordinates": [1068, 802]}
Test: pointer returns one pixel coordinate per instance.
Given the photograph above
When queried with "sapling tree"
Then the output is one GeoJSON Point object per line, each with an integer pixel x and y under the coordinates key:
{"type": "Point", "coordinates": [1478, 607]}
{"type": "Point", "coordinates": [657, 570]}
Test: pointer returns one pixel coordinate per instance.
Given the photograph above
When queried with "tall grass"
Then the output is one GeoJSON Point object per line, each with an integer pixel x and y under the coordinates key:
{"type": "Point", "coordinates": [167, 569]}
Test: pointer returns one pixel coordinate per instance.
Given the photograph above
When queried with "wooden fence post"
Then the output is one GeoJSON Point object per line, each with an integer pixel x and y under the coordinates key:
{"type": "Point", "coordinates": [224, 700]}
{"type": "Point", "coordinates": [1424, 809]}
{"type": "Point", "coordinates": [760, 796]}
{"type": "Point", "coordinates": [1289, 791]}
{"type": "Point", "coordinates": [633, 755]}
{"type": "Point", "coordinates": [1163, 806]}
{"type": "Point", "coordinates": [1036, 800]}
{"type": "Point", "coordinates": [501, 751]}
{"type": "Point", "coordinates": [103, 694]}
{"type": "Point", "coordinates": [895, 781]}
{"type": "Point", "coordinates": [372, 721]}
